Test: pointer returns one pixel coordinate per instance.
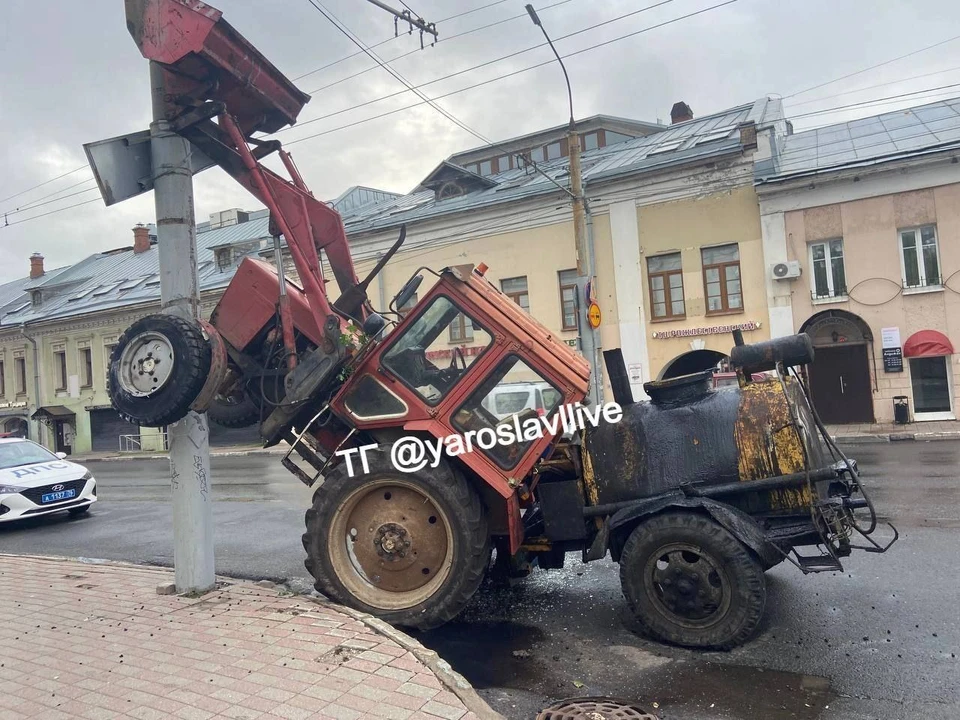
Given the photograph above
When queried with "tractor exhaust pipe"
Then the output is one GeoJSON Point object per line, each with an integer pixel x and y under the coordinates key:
{"type": "Point", "coordinates": [619, 380]}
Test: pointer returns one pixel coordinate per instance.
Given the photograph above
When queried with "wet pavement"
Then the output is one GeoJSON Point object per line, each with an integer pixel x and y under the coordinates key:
{"type": "Point", "coordinates": [880, 640]}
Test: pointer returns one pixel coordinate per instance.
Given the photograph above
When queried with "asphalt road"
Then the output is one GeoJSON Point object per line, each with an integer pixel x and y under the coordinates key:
{"type": "Point", "coordinates": [880, 640]}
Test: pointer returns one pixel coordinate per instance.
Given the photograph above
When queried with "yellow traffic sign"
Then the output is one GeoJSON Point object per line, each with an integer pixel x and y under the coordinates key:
{"type": "Point", "coordinates": [593, 315]}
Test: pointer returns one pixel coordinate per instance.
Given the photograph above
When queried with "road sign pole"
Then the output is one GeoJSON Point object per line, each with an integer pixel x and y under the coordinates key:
{"type": "Point", "coordinates": [179, 295]}
{"type": "Point", "coordinates": [583, 236]}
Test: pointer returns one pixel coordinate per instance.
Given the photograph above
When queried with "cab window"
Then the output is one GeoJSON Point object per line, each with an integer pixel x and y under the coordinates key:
{"type": "Point", "coordinates": [424, 358]}
{"type": "Point", "coordinates": [512, 394]}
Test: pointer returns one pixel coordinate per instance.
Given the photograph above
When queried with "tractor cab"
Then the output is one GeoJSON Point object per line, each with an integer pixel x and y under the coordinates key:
{"type": "Point", "coordinates": [445, 369]}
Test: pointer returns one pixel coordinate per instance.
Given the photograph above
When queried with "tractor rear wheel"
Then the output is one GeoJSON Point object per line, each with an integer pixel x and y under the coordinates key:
{"type": "Point", "coordinates": [234, 408]}
{"type": "Point", "coordinates": [158, 369]}
{"type": "Point", "coordinates": [408, 548]}
{"type": "Point", "coordinates": [690, 582]}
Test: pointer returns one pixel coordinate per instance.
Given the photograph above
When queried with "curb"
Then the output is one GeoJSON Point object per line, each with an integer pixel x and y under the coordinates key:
{"type": "Point", "coordinates": [82, 458]}
{"type": "Point", "coordinates": [897, 437]}
{"type": "Point", "coordinates": [448, 677]}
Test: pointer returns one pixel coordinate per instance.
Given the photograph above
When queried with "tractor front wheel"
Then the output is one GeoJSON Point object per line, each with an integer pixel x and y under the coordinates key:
{"type": "Point", "coordinates": [158, 369]}
{"type": "Point", "coordinates": [690, 582]}
{"type": "Point", "coordinates": [408, 548]}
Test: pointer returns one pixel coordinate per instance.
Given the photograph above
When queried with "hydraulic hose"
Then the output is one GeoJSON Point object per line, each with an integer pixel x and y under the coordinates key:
{"type": "Point", "coordinates": [855, 476]}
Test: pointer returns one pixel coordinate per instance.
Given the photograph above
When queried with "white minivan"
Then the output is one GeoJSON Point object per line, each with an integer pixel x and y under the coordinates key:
{"type": "Point", "coordinates": [509, 398]}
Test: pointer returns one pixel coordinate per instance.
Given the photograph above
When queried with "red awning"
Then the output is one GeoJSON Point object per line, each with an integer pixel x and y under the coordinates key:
{"type": "Point", "coordinates": [927, 343]}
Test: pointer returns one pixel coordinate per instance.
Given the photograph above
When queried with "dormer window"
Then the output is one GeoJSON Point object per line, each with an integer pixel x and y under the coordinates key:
{"type": "Point", "coordinates": [450, 190]}
{"type": "Point", "coordinates": [36, 298]}
{"type": "Point", "coordinates": [224, 258]}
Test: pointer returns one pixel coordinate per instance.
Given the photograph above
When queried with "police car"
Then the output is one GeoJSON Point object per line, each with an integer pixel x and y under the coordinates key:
{"type": "Point", "coordinates": [35, 481]}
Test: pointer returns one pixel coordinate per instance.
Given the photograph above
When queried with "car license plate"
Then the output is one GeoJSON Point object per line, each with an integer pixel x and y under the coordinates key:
{"type": "Point", "coordinates": [57, 496]}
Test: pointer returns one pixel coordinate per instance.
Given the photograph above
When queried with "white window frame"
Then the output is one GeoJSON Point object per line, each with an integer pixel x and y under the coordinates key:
{"type": "Point", "coordinates": [921, 270]}
{"type": "Point", "coordinates": [833, 295]}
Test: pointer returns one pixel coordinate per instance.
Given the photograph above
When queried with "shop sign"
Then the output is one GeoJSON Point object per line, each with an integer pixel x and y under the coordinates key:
{"type": "Point", "coordinates": [10, 404]}
{"type": "Point", "coordinates": [892, 352]}
{"type": "Point", "coordinates": [714, 330]}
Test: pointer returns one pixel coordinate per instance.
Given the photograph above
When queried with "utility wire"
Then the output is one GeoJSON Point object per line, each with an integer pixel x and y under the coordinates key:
{"type": "Point", "coordinates": [872, 87]}
{"type": "Point", "coordinates": [491, 80]}
{"type": "Point", "coordinates": [342, 28]}
{"type": "Point", "coordinates": [891, 98]}
{"type": "Point", "coordinates": [521, 52]}
{"type": "Point", "coordinates": [392, 38]}
{"type": "Point", "coordinates": [444, 39]}
{"type": "Point", "coordinates": [45, 182]}
{"type": "Point", "coordinates": [35, 205]}
{"type": "Point", "coordinates": [49, 195]}
{"type": "Point", "coordinates": [872, 67]}
{"type": "Point", "coordinates": [49, 212]}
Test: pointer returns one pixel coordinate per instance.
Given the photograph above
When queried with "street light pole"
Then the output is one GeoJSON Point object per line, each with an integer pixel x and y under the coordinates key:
{"type": "Point", "coordinates": [582, 232]}
{"type": "Point", "coordinates": [179, 295]}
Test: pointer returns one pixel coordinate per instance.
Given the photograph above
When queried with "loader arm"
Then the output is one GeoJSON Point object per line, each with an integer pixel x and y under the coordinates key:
{"type": "Point", "coordinates": [209, 71]}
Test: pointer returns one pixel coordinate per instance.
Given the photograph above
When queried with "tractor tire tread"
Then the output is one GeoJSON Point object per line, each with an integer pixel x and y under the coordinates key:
{"type": "Point", "coordinates": [192, 366]}
{"type": "Point", "coordinates": [747, 580]}
{"type": "Point", "coordinates": [466, 575]}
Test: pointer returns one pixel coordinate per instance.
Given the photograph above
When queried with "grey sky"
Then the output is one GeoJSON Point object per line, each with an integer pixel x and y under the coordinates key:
{"type": "Point", "coordinates": [70, 73]}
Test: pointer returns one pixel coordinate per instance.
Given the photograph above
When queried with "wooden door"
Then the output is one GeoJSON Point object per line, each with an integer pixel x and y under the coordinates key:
{"type": "Point", "coordinates": [840, 384]}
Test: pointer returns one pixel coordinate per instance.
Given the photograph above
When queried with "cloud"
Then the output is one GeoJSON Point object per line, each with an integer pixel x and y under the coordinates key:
{"type": "Point", "coordinates": [80, 78]}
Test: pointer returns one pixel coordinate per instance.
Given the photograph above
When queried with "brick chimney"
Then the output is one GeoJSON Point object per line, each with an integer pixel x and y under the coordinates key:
{"type": "Point", "coordinates": [680, 112]}
{"type": "Point", "coordinates": [141, 238]}
{"type": "Point", "coordinates": [36, 265]}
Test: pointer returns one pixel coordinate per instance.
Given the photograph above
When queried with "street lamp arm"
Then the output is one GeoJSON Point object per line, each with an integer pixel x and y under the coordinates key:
{"type": "Point", "coordinates": [536, 21]}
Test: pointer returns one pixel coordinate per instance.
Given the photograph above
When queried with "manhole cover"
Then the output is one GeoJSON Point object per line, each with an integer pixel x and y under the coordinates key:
{"type": "Point", "coordinates": [595, 708]}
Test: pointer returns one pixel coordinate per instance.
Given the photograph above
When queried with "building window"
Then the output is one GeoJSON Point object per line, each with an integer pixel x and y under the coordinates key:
{"type": "Point", "coordinates": [86, 367]}
{"type": "Point", "coordinates": [36, 298]}
{"type": "Point", "coordinates": [516, 289]}
{"type": "Point", "coordinates": [826, 259]}
{"type": "Point", "coordinates": [486, 167]}
{"type": "Point", "coordinates": [461, 329]}
{"type": "Point", "coordinates": [921, 263]}
{"type": "Point", "coordinates": [20, 375]}
{"type": "Point", "coordinates": [568, 299]}
{"type": "Point", "coordinates": [665, 277]}
{"type": "Point", "coordinates": [614, 137]}
{"type": "Point", "coordinates": [721, 278]}
{"type": "Point", "coordinates": [591, 141]}
{"type": "Point", "coordinates": [472, 167]}
{"type": "Point", "coordinates": [3, 382]}
{"type": "Point", "coordinates": [552, 151]}
{"type": "Point", "coordinates": [405, 309]}
{"type": "Point", "coordinates": [224, 258]}
{"type": "Point", "coordinates": [60, 368]}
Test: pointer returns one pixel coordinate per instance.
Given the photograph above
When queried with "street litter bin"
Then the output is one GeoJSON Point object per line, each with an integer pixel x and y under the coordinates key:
{"type": "Point", "coordinates": [901, 409]}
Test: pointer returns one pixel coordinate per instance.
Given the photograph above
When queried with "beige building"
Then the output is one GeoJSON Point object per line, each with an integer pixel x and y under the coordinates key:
{"type": "Point", "coordinates": [674, 222]}
{"type": "Point", "coordinates": [864, 220]}
{"type": "Point", "coordinates": [675, 229]}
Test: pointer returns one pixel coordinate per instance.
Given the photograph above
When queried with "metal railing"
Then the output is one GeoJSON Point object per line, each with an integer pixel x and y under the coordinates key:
{"type": "Point", "coordinates": [134, 442]}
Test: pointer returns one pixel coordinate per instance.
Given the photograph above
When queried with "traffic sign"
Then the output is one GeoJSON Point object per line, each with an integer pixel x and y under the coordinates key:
{"type": "Point", "coordinates": [593, 315]}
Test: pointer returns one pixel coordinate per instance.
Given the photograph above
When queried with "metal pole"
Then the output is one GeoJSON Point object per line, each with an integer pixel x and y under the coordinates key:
{"type": "Point", "coordinates": [179, 295]}
{"type": "Point", "coordinates": [584, 247]}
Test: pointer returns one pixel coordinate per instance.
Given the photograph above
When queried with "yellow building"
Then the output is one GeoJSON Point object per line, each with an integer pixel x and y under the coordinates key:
{"type": "Point", "coordinates": [675, 225]}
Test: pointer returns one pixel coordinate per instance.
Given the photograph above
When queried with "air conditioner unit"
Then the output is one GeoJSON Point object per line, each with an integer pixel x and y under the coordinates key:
{"type": "Point", "coordinates": [785, 270]}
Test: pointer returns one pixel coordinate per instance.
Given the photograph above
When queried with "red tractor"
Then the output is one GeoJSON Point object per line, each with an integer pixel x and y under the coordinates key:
{"type": "Point", "coordinates": [425, 459]}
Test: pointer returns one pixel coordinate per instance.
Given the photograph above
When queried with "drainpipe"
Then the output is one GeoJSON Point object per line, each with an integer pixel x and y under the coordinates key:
{"type": "Point", "coordinates": [36, 380]}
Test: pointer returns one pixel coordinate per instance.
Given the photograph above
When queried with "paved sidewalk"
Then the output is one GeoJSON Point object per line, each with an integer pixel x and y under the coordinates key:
{"type": "Point", "coordinates": [885, 432]}
{"type": "Point", "coordinates": [96, 640]}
